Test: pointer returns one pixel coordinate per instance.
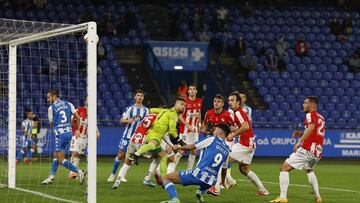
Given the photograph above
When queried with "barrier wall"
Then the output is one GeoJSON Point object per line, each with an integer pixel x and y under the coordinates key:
{"type": "Point", "coordinates": [338, 143]}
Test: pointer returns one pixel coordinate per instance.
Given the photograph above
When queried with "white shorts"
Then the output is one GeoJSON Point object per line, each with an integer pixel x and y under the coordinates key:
{"type": "Point", "coordinates": [302, 159]}
{"type": "Point", "coordinates": [190, 138]}
{"type": "Point", "coordinates": [78, 144]}
{"type": "Point", "coordinates": [242, 153]}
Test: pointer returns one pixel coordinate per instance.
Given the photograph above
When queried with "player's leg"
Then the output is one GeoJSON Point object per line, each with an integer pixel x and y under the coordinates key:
{"type": "Point", "coordinates": [154, 142]}
{"type": "Point", "coordinates": [123, 145]}
{"type": "Point", "coordinates": [65, 140]}
{"type": "Point", "coordinates": [284, 179]}
{"type": "Point", "coordinates": [29, 151]}
{"type": "Point", "coordinates": [75, 158]}
{"type": "Point", "coordinates": [245, 170]}
{"type": "Point", "coordinates": [152, 170]}
{"type": "Point", "coordinates": [314, 184]}
{"type": "Point", "coordinates": [192, 155]}
{"type": "Point", "coordinates": [122, 173]}
{"type": "Point", "coordinates": [169, 180]}
{"type": "Point", "coordinates": [230, 181]}
{"type": "Point", "coordinates": [22, 150]}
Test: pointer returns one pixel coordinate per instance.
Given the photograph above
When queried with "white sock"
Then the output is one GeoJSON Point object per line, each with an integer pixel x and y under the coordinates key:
{"type": "Point", "coordinates": [218, 182]}
{"type": "Point", "coordinates": [229, 178]}
{"type": "Point", "coordinates": [152, 169]}
{"type": "Point", "coordinates": [254, 179]}
{"type": "Point", "coordinates": [191, 161]}
{"type": "Point", "coordinates": [284, 183]}
{"type": "Point", "coordinates": [171, 167]}
{"type": "Point", "coordinates": [314, 183]}
{"type": "Point", "coordinates": [123, 171]}
{"type": "Point", "coordinates": [75, 161]}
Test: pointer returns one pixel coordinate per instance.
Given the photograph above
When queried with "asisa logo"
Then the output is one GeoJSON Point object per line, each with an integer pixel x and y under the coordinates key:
{"type": "Point", "coordinates": [172, 52]}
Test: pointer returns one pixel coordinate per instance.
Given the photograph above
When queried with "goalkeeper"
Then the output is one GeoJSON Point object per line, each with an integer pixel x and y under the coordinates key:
{"type": "Point", "coordinates": [166, 121]}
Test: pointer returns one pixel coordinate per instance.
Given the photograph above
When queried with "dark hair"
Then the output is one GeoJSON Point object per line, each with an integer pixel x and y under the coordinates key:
{"type": "Point", "coordinates": [54, 93]}
{"type": "Point", "coordinates": [26, 111]}
{"type": "Point", "coordinates": [313, 99]}
{"type": "Point", "coordinates": [139, 91]}
{"type": "Point", "coordinates": [225, 128]}
{"type": "Point", "coordinates": [219, 96]}
{"type": "Point", "coordinates": [192, 85]}
{"type": "Point", "coordinates": [237, 95]}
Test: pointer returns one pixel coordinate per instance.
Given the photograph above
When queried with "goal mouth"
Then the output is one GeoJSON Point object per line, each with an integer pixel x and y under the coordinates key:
{"type": "Point", "coordinates": [36, 57]}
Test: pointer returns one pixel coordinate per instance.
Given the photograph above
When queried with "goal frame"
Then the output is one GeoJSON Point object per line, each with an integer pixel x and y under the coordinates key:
{"type": "Point", "coordinates": [92, 39]}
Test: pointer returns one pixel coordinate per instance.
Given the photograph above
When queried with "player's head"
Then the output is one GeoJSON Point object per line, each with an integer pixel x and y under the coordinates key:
{"type": "Point", "coordinates": [139, 96]}
{"type": "Point", "coordinates": [243, 98]}
{"type": "Point", "coordinates": [310, 103]}
{"type": "Point", "coordinates": [222, 130]}
{"type": "Point", "coordinates": [28, 114]}
{"type": "Point", "coordinates": [52, 96]}
{"type": "Point", "coordinates": [234, 100]}
{"type": "Point", "coordinates": [180, 105]}
{"type": "Point", "coordinates": [219, 102]}
{"type": "Point", "coordinates": [192, 90]}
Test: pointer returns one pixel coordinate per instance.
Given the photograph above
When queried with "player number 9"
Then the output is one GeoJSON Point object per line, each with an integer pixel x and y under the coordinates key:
{"type": "Point", "coordinates": [218, 158]}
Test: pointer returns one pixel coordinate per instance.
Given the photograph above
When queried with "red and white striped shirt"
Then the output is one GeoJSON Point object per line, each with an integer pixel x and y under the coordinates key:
{"type": "Point", "coordinates": [191, 115]}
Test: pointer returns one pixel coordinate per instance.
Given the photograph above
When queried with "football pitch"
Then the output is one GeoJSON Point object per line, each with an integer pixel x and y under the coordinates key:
{"type": "Point", "coordinates": [339, 181]}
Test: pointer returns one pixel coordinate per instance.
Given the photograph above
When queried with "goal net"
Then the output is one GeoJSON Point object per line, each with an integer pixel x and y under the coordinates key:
{"type": "Point", "coordinates": [36, 58]}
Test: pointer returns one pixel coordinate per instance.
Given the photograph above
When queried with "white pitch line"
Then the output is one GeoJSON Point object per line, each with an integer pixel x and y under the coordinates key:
{"type": "Point", "coordinates": [41, 194]}
{"type": "Point", "coordinates": [307, 186]}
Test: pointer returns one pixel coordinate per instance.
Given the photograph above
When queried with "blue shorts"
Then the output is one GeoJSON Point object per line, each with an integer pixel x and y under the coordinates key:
{"type": "Point", "coordinates": [124, 143]}
{"type": "Point", "coordinates": [26, 142]}
{"type": "Point", "coordinates": [62, 141]}
{"type": "Point", "coordinates": [187, 178]}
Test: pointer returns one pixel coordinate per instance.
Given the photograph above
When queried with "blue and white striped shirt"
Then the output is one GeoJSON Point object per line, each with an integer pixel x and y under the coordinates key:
{"type": "Point", "coordinates": [215, 154]}
{"type": "Point", "coordinates": [27, 125]}
{"type": "Point", "coordinates": [133, 112]}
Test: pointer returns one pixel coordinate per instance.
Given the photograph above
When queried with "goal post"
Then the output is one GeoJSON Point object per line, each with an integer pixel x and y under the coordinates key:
{"type": "Point", "coordinates": [13, 42]}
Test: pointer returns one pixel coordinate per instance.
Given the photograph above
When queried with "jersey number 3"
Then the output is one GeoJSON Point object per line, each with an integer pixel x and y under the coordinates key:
{"type": "Point", "coordinates": [63, 117]}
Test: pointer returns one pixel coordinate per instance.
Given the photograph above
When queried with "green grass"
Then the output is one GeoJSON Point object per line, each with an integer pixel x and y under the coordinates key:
{"type": "Point", "coordinates": [338, 174]}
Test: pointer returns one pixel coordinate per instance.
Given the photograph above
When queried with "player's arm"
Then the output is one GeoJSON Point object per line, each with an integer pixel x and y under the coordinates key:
{"type": "Point", "coordinates": [172, 125]}
{"type": "Point", "coordinates": [204, 126]}
{"type": "Point", "coordinates": [244, 126]}
{"type": "Point", "coordinates": [156, 110]}
{"type": "Point", "coordinates": [125, 119]}
{"type": "Point", "coordinates": [182, 120]}
{"type": "Point", "coordinates": [297, 134]}
{"type": "Point", "coordinates": [306, 134]}
{"type": "Point", "coordinates": [77, 117]}
{"type": "Point", "coordinates": [51, 117]}
{"type": "Point", "coordinates": [200, 145]}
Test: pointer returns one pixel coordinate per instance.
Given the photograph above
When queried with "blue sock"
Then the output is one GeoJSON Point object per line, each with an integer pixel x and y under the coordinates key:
{"type": "Point", "coordinates": [170, 188]}
{"type": "Point", "coordinates": [229, 165]}
{"type": "Point", "coordinates": [29, 154]}
{"type": "Point", "coordinates": [202, 190]}
{"type": "Point", "coordinates": [20, 155]}
{"type": "Point", "coordinates": [67, 164]}
{"type": "Point", "coordinates": [116, 165]}
{"type": "Point", "coordinates": [54, 166]}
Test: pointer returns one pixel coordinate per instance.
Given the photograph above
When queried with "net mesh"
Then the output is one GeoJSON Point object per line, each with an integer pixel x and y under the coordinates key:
{"type": "Point", "coordinates": [56, 63]}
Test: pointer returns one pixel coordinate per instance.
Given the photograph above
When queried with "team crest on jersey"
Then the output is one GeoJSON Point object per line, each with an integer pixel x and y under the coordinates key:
{"type": "Point", "coordinates": [199, 104]}
{"type": "Point", "coordinates": [223, 120]}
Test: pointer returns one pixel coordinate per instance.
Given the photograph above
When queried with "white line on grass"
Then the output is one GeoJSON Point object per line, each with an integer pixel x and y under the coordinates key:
{"type": "Point", "coordinates": [41, 194]}
{"type": "Point", "coordinates": [307, 186]}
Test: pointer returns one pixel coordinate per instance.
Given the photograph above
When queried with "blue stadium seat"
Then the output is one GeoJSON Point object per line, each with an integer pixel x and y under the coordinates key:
{"type": "Point", "coordinates": [268, 98]}
{"type": "Point", "coordinates": [263, 91]}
